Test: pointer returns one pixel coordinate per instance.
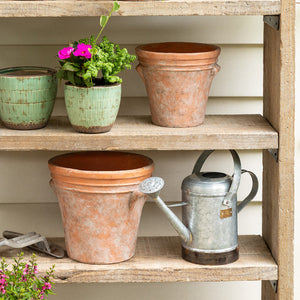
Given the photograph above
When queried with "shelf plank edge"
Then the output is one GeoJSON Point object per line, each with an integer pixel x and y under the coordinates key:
{"type": "Point", "coordinates": [138, 133]}
{"type": "Point", "coordinates": [158, 259]}
{"type": "Point", "coordinates": [57, 8]}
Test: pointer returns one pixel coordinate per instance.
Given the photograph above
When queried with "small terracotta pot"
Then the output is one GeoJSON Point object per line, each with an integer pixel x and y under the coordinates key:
{"type": "Point", "coordinates": [178, 77]}
{"type": "Point", "coordinates": [100, 203]}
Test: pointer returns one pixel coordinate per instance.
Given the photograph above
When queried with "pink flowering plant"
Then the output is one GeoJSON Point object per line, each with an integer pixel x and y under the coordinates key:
{"type": "Point", "coordinates": [22, 281]}
{"type": "Point", "coordinates": [83, 61]}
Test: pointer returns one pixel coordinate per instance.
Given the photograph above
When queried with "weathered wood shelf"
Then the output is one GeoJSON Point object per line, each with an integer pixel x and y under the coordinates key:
{"type": "Point", "coordinates": [138, 133]}
{"type": "Point", "coordinates": [158, 259]}
{"type": "Point", "coordinates": [69, 8]}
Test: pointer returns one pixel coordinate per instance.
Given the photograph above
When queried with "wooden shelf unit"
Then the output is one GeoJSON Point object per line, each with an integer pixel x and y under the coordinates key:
{"type": "Point", "coordinates": [278, 175]}
{"type": "Point", "coordinates": [158, 259]}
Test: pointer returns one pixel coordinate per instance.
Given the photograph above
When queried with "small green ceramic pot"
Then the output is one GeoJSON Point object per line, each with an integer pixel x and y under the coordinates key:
{"type": "Point", "coordinates": [27, 96]}
{"type": "Point", "coordinates": [93, 109]}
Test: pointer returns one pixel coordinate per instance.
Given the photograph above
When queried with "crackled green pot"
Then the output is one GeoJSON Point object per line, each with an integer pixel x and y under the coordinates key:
{"type": "Point", "coordinates": [27, 96]}
{"type": "Point", "coordinates": [92, 109]}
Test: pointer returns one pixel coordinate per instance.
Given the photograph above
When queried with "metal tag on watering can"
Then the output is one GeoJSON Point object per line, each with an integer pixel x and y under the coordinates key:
{"type": "Point", "coordinates": [226, 213]}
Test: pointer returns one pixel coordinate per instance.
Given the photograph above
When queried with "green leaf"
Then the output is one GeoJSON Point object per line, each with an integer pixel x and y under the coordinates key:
{"type": "Point", "coordinates": [78, 81]}
{"type": "Point", "coordinates": [60, 74]}
{"type": "Point", "coordinates": [68, 66]}
{"type": "Point", "coordinates": [103, 20]}
{"type": "Point", "coordinates": [71, 77]}
{"type": "Point", "coordinates": [88, 83]}
{"type": "Point", "coordinates": [114, 79]}
{"type": "Point", "coordinates": [116, 6]}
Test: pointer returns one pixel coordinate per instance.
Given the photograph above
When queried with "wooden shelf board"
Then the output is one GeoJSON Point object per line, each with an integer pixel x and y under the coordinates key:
{"type": "Point", "coordinates": [138, 133]}
{"type": "Point", "coordinates": [62, 8]}
{"type": "Point", "coordinates": [158, 259]}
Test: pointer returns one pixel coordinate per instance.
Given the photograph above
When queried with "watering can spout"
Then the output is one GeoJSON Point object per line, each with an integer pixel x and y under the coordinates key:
{"type": "Point", "coordinates": [152, 187]}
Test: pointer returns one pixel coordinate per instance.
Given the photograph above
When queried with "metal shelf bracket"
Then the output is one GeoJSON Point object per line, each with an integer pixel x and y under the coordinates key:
{"type": "Point", "coordinates": [274, 284]}
{"type": "Point", "coordinates": [272, 21]}
{"type": "Point", "coordinates": [274, 153]}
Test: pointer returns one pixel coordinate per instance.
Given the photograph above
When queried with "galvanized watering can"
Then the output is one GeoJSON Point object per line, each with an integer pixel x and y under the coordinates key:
{"type": "Point", "coordinates": [209, 212]}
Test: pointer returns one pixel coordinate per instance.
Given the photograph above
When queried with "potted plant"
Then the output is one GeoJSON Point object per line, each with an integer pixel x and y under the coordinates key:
{"type": "Point", "coordinates": [92, 103]}
{"type": "Point", "coordinates": [21, 280]}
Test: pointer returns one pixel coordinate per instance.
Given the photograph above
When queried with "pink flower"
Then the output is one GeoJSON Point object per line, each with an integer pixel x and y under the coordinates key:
{"type": "Point", "coordinates": [83, 50]}
{"type": "Point", "coordinates": [65, 53]}
{"type": "Point", "coordinates": [3, 276]}
{"type": "Point", "coordinates": [26, 269]}
{"type": "Point", "coordinates": [47, 286]}
{"type": "Point", "coordinates": [3, 281]}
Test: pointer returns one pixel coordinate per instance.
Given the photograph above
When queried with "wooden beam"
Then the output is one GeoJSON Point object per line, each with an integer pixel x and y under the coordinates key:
{"type": "Point", "coordinates": [67, 8]}
{"type": "Point", "coordinates": [278, 178]}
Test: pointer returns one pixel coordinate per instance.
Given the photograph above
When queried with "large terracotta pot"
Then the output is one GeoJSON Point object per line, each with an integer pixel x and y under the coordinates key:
{"type": "Point", "coordinates": [177, 77]}
{"type": "Point", "coordinates": [27, 96]}
{"type": "Point", "coordinates": [100, 203]}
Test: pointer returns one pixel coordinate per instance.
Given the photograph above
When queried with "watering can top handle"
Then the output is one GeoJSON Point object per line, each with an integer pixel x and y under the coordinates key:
{"type": "Point", "coordinates": [236, 176]}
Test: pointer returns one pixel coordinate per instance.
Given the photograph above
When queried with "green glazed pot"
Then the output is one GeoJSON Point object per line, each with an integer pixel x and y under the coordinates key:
{"type": "Point", "coordinates": [93, 109]}
{"type": "Point", "coordinates": [27, 96]}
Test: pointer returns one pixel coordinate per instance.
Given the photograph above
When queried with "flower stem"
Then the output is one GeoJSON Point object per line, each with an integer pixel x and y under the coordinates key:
{"type": "Point", "coordinates": [99, 34]}
{"type": "Point", "coordinates": [114, 8]}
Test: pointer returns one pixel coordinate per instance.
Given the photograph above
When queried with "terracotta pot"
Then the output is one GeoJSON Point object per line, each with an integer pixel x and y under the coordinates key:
{"type": "Point", "coordinates": [27, 96]}
{"type": "Point", "coordinates": [92, 109]}
{"type": "Point", "coordinates": [100, 203]}
{"type": "Point", "coordinates": [178, 77]}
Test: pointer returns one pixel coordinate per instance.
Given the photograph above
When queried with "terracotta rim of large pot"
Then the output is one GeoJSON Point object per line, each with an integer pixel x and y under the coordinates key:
{"type": "Point", "coordinates": [100, 165]}
{"type": "Point", "coordinates": [27, 71]}
{"type": "Point", "coordinates": [178, 51]}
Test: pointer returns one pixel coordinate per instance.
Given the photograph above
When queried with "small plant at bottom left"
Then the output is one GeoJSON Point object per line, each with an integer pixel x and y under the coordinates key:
{"type": "Point", "coordinates": [21, 281]}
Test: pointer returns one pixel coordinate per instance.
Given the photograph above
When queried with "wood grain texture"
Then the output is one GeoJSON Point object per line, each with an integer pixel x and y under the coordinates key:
{"type": "Point", "coordinates": [138, 133]}
{"type": "Point", "coordinates": [158, 259]}
{"type": "Point", "coordinates": [57, 8]}
{"type": "Point", "coordinates": [278, 178]}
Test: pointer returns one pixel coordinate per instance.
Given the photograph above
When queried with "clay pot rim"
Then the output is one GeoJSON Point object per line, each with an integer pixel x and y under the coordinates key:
{"type": "Point", "coordinates": [114, 85]}
{"type": "Point", "coordinates": [94, 174]}
{"type": "Point", "coordinates": [5, 72]}
{"type": "Point", "coordinates": [143, 50]}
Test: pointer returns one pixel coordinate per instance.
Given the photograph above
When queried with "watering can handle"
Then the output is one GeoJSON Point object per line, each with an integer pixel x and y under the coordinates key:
{"type": "Point", "coordinates": [252, 193]}
{"type": "Point", "coordinates": [236, 176]}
